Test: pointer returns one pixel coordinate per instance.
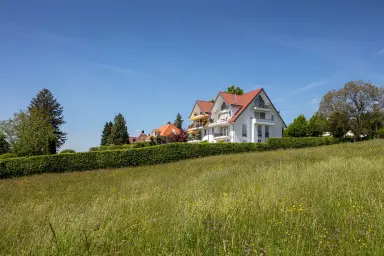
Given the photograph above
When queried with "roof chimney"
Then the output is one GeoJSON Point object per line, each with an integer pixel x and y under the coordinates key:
{"type": "Point", "coordinates": [169, 122]}
{"type": "Point", "coordinates": [235, 97]}
{"type": "Point", "coordinates": [142, 131]}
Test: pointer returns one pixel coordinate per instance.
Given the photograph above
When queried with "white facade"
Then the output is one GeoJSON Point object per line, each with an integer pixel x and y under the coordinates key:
{"type": "Point", "coordinates": [257, 122]}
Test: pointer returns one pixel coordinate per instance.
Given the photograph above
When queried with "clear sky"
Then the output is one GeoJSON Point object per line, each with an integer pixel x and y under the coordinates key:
{"type": "Point", "coordinates": [152, 59]}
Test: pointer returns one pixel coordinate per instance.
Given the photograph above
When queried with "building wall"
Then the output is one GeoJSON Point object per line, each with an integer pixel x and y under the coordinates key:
{"type": "Point", "coordinates": [247, 117]}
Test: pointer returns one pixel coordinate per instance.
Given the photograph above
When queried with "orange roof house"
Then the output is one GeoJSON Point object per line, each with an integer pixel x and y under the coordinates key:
{"type": "Point", "coordinates": [165, 130]}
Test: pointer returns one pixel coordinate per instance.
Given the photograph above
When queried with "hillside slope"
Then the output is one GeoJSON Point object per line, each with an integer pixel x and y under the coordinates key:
{"type": "Point", "coordinates": [325, 200]}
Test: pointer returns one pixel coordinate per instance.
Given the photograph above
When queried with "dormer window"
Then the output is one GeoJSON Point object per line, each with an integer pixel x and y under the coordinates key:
{"type": "Point", "coordinates": [259, 102]}
{"type": "Point", "coordinates": [224, 106]}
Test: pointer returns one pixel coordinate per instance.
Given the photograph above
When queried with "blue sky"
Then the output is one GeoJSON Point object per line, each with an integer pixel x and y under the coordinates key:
{"type": "Point", "coordinates": [152, 59]}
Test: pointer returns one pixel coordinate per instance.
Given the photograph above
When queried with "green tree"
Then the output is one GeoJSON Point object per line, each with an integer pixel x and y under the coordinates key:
{"type": "Point", "coordinates": [233, 90]}
{"type": "Point", "coordinates": [4, 145]}
{"type": "Point", "coordinates": [32, 133]}
{"type": "Point", "coordinates": [360, 101]}
{"type": "Point", "coordinates": [119, 132]}
{"type": "Point", "coordinates": [338, 124]}
{"type": "Point", "coordinates": [46, 103]}
{"type": "Point", "coordinates": [106, 133]}
{"type": "Point", "coordinates": [298, 128]}
{"type": "Point", "coordinates": [212, 101]}
{"type": "Point", "coordinates": [179, 121]}
{"type": "Point", "coordinates": [317, 125]}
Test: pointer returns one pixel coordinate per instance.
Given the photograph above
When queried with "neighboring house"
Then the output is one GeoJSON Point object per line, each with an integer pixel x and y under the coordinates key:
{"type": "Point", "coordinates": [132, 139]}
{"type": "Point", "coordinates": [165, 130]}
{"type": "Point", "coordinates": [142, 137]}
{"type": "Point", "coordinates": [250, 117]}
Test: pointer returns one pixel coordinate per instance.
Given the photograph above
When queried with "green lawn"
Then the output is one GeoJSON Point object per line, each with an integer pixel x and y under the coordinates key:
{"type": "Point", "coordinates": [325, 200]}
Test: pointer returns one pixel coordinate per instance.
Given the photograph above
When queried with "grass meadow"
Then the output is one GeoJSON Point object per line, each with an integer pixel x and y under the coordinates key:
{"type": "Point", "coordinates": [316, 201]}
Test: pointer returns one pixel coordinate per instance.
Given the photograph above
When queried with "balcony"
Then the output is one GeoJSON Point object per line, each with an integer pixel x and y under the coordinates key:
{"type": "Point", "coordinates": [198, 116]}
{"type": "Point", "coordinates": [221, 136]}
{"type": "Point", "coordinates": [197, 125]}
{"type": "Point", "coordinates": [222, 121]}
{"type": "Point", "coordinates": [266, 121]}
{"type": "Point", "coordinates": [261, 106]}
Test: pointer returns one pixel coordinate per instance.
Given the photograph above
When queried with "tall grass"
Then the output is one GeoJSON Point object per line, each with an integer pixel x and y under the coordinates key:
{"type": "Point", "coordinates": [325, 200]}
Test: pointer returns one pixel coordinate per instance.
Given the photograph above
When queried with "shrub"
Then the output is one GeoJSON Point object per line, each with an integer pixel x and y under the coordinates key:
{"type": "Point", "coordinates": [67, 151]}
{"type": "Point", "coordinates": [144, 156]}
{"type": "Point", "coordinates": [292, 142]}
{"type": "Point", "coordinates": [7, 155]}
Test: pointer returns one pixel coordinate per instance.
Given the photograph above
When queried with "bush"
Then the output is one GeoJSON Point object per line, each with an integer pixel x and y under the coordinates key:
{"type": "Point", "coordinates": [292, 142]}
{"type": "Point", "coordinates": [144, 156]}
{"type": "Point", "coordinates": [67, 151]}
{"type": "Point", "coordinates": [7, 155]}
{"type": "Point", "coordinates": [111, 147]}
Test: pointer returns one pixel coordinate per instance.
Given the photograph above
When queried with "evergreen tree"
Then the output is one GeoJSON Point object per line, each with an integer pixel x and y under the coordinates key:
{"type": "Point", "coordinates": [106, 133]}
{"type": "Point", "coordinates": [298, 128]}
{"type": "Point", "coordinates": [179, 121]}
{"type": "Point", "coordinates": [119, 132]}
{"type": "Point", "coordinates": [47, 105]}
{"type": "Point", "coordinates": [317, 125]}
{"type": "Point", "coordinates": [4, 145]}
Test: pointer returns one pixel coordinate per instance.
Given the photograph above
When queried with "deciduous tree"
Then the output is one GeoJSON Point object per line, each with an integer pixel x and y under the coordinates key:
{"type": "Point", "coordinates": [4, 145]}
{"type": "Point", "coordinates": [317, 125]}
{"type": "Point", "coordinates": [360, 101]}
{"type": "Point", "coordinates": [32, 133]}
{"type": "Point", "coordinates": [298, 128]}
{"type": "Point", "coordinates": [232, 89]}
{"type": "Point", "coordinates": [338, 124]}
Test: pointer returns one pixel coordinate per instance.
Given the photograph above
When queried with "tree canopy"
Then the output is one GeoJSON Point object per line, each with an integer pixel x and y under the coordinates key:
{"type": "Point", "coordinates": [232, 89]}
{"type": "Point", "coordinates": [298, 128]}
{"type": "Point", "coordinates": [338, 124]}
{"type": "Point", "coordinates": [106, 133]}
{"type": "Point", "coordinates": [360, 101]}
{"type": "Point", "coordinates": [32, 133]}
{"type": "Point", "coordinates": [47, 105]}
{"type": "Point", "coordinates": [119, 132]}
{"type": "Point", "coordinates": [317, 125]}
{"type": "Point", "coordinates": [4, 145]}
{"type": "Point", "coordinates": [179, 121]}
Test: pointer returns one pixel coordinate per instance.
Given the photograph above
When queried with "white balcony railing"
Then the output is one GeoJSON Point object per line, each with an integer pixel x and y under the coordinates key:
{"type": "Point", "coordinates": [261, 105]}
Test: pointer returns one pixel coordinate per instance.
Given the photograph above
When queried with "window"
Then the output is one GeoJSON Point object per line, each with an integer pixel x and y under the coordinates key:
{"type": "Point", "coordinates": [224, 106]}
{"type": "Point", "coordinates": [259, 131]}
{"type": "Point", "coordinates": [266, 131]}
{"type": "Point", "coordinates": [244, 130]}
{"type": "Point", "coordinates": [272, 117]}
{"type": "Point", "coordinates": [205, 132]}
{"type": "Point", "coordinates": [262, 115]}
{"type": "Point", "coordinates": [259, 102]}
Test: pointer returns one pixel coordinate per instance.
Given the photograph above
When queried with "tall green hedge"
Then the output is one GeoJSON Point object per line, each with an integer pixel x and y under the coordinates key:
{"type": "Point", "coordinates": [144, 156]}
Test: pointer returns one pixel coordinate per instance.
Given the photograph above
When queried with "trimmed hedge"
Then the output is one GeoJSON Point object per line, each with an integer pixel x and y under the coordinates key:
{"type": "Point", "coordinates": [67, 151]}
{"type": "Point", "coordinates": [144, 156]}
{"type": "Point", "coordinates": [7, 155]}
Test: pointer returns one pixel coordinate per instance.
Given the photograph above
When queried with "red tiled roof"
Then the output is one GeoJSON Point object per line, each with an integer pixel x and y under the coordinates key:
{"type": "Point", "coordinates": [132, 139]}
{"type": "Point", "coordinates": [167, 130]}
{"type": "Point", "coordinates": [241, 100]}
{"type": "Point", "coordinates": [142, 137]}
{"type": "Point", "coordinates": [205, 106]}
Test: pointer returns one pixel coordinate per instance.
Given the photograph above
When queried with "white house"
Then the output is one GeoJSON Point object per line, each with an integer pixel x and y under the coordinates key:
{"type": "Point", "coordinates": [250, 117]}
